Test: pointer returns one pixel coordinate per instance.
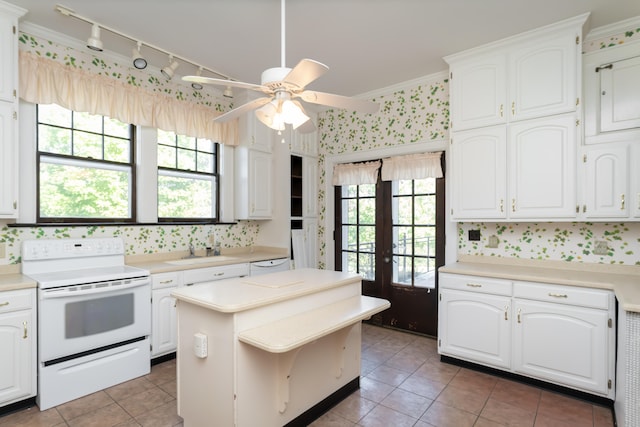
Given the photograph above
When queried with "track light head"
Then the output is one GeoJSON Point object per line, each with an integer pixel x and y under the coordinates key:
{"type": "Point", "coordinates": [228, 92]}
{"type": "Point", "coordinates": [94, 41]}
{"type": "Point", "coordinates": [196, 85]}
{"type": "Point", "coordinates": [138, 60]}
{"type": "Point", "coordinates": [170, 69]}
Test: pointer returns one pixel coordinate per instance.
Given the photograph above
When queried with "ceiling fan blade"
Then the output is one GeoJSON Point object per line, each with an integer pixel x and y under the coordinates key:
{"type": "Point", "coordinates": [223, 82]}
{"type": "Point", "coordinates": [339, 101]}
{"type": "Point", "coordinates": [244, 108]}
{"type": "Point", "coordinates": [306, 71]}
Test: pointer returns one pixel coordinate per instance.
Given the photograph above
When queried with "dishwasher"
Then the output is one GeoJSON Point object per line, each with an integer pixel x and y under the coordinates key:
{"type": "Point", "coordinates": [269, 266]}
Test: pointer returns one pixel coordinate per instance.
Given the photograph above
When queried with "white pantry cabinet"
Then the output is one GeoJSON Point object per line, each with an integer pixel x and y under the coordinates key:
{"type": "Point", "coordinates": [164, 337]}
{"type": "Point", "coordinates": [9, 15]}
{"type": "Point", "coordinates": [518, 99]}
{"type": "Point", "coordinates": [253, 184]}
{"type": "Point", "coordinates": [254, 134]}
{"type": "Point", "coordinates": [560, 334]}
{"type": "Point", "coordinates": [18, 343]}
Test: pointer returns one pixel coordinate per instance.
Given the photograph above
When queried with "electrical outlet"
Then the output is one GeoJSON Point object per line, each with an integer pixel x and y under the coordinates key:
{"type": "Point", "coordinates": [601, 248]}
{"type": "Point", "coordinates": [474, 235]}
{"type": "Point", "coordinates": [493, 242]}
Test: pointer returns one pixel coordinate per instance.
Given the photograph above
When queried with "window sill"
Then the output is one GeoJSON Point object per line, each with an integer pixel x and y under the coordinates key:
{"type": "Point", "coordinates": [117, 224]}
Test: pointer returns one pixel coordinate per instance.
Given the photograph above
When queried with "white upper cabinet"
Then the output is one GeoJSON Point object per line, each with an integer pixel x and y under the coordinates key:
{"type": "Point", "coordinates": [606, 184]}
{"type": "Point", "coordinates": [479, 186]}
{"type": "Point", "coordinates": [527, 76]}
{"type": "Point", "coordinates": [254, 134]}
{"type": "Point", "coordinates": [543, 76]}
{"type": "Point", "coordinates": [514, 121]}
{"type": "Point", "coordinates": [612, 94]}
{"type": "Point", "coordinates": [542, 176]}
{"type": "Point", "coordinates": [620, 95]}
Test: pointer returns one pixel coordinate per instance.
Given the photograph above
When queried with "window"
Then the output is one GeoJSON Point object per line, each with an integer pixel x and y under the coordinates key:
{"type": "Point", "coordinates": [86, 167]}
{"type": "Point", "coordinates": [187, 178]}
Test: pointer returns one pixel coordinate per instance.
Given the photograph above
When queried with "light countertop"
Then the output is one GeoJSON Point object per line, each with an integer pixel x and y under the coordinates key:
{"type": "Point", "coordinates": [244, 293]}
{"type": "Point", "coordinates": [161, 263]}
{"type": "Point", "coordinates": [623, 280]}
{"type": "Point", "coordinates": [12, 279]}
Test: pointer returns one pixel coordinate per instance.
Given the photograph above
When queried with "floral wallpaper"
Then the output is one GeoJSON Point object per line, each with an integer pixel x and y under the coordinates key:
{"type": "Point", "coordinates": [138, 239]}
{"type": "Point", "coordinates": [421, 113]}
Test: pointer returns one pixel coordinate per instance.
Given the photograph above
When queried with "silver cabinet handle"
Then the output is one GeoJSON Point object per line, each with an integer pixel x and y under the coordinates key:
{"type": "Point", "coordinates": [4, 304]}
{"type": "Point", "coordinates": [474, 285]}
{"type": "Point", "coordinates": [551, 294]}
{"type": "Point", "coordinates": [164, 282]}
{"type": "Point", "coordinates": [622, 202]}
{"type": "Point", "coordinates": [519, 313]}
{"type": "Point", "coordinates": [506, 310]}
{"type": "Point", "coordinates": [24, 330]}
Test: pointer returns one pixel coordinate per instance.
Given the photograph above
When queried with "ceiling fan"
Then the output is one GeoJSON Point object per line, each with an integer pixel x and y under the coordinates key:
{"type": "Point", "coordinates": [282, 87]}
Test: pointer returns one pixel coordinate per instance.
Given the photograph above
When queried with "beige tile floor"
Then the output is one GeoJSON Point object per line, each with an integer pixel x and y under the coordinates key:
{"type": "Point", "coordinates": [403, 383]}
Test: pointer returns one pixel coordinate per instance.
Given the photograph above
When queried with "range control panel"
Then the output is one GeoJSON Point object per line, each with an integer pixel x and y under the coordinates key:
{"type": "Point", "coordinates": [48, 249]}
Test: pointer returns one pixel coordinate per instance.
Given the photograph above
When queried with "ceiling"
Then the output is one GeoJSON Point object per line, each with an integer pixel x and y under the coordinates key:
{"type": "Point", "coordinates": [368, 44]}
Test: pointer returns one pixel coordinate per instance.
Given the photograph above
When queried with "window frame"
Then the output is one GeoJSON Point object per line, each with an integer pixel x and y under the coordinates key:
{"type": "Point", "coordinates": [71, 160]}
{"type": "Point", "coordinates": [214, 177]}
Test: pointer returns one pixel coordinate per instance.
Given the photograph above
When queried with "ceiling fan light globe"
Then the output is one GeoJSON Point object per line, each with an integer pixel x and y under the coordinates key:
{"type": "Point", "coordinates": [293, 114]}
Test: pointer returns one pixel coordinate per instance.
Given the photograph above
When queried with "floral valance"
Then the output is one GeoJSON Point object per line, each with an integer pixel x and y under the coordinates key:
{"type": "Point", "coordinates": [412, 166]}
{"type": "Point", "coordinates": [356, 173]}
{"type": "Point", "coordinates": [44, 81]}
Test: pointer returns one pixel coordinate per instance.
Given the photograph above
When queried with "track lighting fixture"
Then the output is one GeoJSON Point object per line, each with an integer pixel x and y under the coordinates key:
{"type": "Point", "coordinates": [228, 93]}
{"type": "Point", "coordinates": [196, 85]}
{"type": "Point", "coordinates": [170, 69]}
{"type": "Point", "coordinates": [138, 60]}
{"type": "Point", "coordinates": [94, 41]}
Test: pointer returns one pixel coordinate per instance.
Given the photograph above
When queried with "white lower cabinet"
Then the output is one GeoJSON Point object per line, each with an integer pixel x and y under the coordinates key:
{"type": "Point", "coordinates": [164, 337]}
{"type": "Point", "coordinates": [560, 334]}
{"type": "Point", "coordinates": [475, 327]}
{"type": "Point", "coordinates": [18, 344]}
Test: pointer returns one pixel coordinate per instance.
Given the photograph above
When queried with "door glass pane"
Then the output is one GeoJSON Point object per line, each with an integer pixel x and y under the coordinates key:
{"type": "Point", "coordinates": [404, 212]}
{"type": "Point", "coordinates": [425, 208]}
{"type": "Point", "coordinates": [366, 190]}
{"type": "Point", "coordinates": [424, 272]}
{"type": "Point", "coordinates": [350, 262]}
{"type": "Point", "coordinates": [367, 239]}
{"type": "Point", "coordinates": [350, 211]}
{"type": "Point", "coordinates": [424, 242]}
{"type": "Point", "coordinates": [403, 240]}
{"type": "Point", "coordinates": [350, 237]}
{"type": "Point", "coordinates": [402, 269]}
{"type": "Point", "coordinates": [367, 211]}
{"type": "Point", "coordinates": [367, 266]}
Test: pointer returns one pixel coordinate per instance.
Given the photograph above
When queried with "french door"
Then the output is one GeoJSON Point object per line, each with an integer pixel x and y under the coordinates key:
{"type": "Point", "coordinates": [392, 234]}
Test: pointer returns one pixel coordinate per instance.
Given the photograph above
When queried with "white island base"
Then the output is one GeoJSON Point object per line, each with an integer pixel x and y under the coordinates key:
{"type": "Point", "coordinates": [276, 346]}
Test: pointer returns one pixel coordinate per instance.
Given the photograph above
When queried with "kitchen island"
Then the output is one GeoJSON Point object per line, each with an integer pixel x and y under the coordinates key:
{"type": "Point", "coordinates": [269, 350]}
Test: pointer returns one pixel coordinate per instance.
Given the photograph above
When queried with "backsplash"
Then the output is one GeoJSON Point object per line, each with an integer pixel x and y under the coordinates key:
{"type": "Point", "coordinates": [555, 241]}
{"type": "Point", "coordinates": [138, 239]}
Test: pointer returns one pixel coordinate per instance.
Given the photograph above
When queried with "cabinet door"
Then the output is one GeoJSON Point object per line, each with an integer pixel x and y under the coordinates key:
{"type": "Point", "coordinates": [311, 242]}
{"type": "Point", "coordinates": [260, 185]}
{"type": "Point", "coordinates": [163, 322]}
{"type": "Point", "coordinates": [563, 344]}
{"type": "Point", "coordinates": [254, 134]}
{"type": "Point", "coordinates": [620, 95]}
{"type": "Point", "coordinates": [475, 327]}
{"type": "Point", "coordinates": [635, 181]}
{"type": "Point", "coordinates": [8, 51]}
{"type": "Point", "coordinates": [8, 161]}
{"type": "Point", "coordinates": [309, 186]}
{"type": "Point", "coordinates": [606, 182]}
{"type": "Point", "coordinates": [478, 92]}
{"type": "Point", "coordinates": [542, 178]}
{"type": "Point", "coordinates": [543, 77]}
{"type": "Point", "coordinates": [479, 172]}
{"type": "Point", "coordinates": [16, 357]}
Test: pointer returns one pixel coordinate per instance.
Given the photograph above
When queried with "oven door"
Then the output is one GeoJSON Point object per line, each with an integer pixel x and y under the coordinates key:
{"type": "Point", "coordinates": [83, 318]}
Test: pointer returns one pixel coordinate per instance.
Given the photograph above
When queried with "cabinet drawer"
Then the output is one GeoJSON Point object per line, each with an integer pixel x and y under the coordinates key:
{"type": "Point", "coordinates": [198, 275]}
{"type": "Point", "coordinates": [476, 284]}
{"type": "Point", "coordinates": [17, 300]}
{"type": "Point", "coordinates": [572, 295]}
{"type": "Point", "coordinates": [164, 280]}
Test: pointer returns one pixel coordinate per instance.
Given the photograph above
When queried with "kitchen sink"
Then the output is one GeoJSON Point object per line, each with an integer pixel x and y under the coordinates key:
{"type": "Point", "coordinates": [201, 260]}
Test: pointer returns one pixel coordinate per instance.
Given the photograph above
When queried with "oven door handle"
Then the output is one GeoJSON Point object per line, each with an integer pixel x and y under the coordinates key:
{"type": "Point", "coordinates": [76, 291]}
